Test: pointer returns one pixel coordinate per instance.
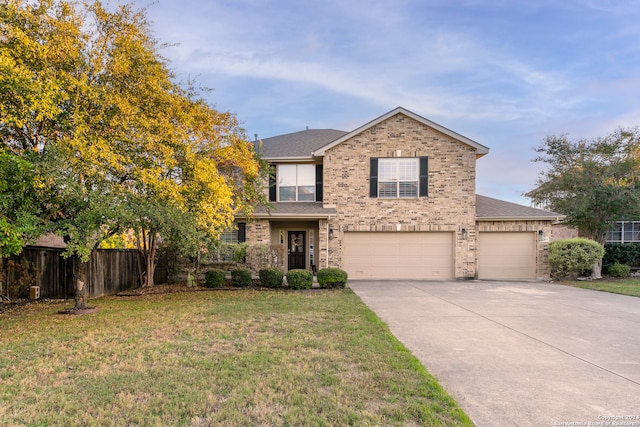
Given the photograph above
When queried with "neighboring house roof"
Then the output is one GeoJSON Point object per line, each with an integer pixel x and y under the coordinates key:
{"type": "Point", "coordinates": [481, 150]}
{"type": "Point", "coordinates": [295, 210]}
{"type": "Point", "coordinates": [490, 209]}
{"type": "Point", "coordinates": [50, 241]}
{"type": "Point", "coordinates": [296, 145]}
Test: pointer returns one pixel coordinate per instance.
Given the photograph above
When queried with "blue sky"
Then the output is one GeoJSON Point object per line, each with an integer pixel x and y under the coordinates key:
{"type": "Point", "coordinates": [504, 73]}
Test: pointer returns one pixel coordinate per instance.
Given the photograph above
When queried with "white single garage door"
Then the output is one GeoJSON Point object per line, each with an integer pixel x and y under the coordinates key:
{"type": "Point", "coordinates": [398, 255]}
{"type": "Point", "coordinates": [506, 256]}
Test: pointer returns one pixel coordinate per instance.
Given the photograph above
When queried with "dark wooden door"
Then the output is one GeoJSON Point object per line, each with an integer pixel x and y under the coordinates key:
{"type": "Point", "coordinates": [297, 250]}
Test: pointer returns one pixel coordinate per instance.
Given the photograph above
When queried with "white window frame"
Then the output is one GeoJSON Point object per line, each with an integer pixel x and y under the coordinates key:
{"type": "Point", "coordinates": [228, 236]}
{"type": "Point", "coordinates": [398, 177]}
{"type": "Point", "coordinates": [628, 231]}
{"type": "Point", "coordinates": [303, 179]}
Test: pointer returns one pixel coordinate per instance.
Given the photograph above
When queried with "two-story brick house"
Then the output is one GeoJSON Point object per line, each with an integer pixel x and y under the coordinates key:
{"type": "Point", "coordinates": [393, 199]}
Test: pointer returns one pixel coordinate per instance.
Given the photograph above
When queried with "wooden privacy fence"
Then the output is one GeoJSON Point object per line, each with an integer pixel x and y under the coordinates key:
{"type": "Point", "coordinates": [109, 272]}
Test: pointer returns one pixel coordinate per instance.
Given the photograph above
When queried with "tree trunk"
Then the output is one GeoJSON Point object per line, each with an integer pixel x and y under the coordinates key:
{"type": "Point", "coordinates": [147, 250]}
{"type": "Point", "coordinates": [80, 282]}
{"type": "Point", "coordinates": [196, 270]}
{"type": "Point", "coordinates": [596, 270]}
{"type": "Point", "coordinates": [151, 262]}
{"type": "Point", "coordinates": [140, 245]}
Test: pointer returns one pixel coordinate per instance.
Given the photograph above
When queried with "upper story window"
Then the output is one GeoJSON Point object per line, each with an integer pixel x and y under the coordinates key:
{"type": "Point", "coordinates": [398, 177]}
{"type": "Point", "coordinates": [296, 183]}
{"type": "Point", "coordinates": [624, 232]}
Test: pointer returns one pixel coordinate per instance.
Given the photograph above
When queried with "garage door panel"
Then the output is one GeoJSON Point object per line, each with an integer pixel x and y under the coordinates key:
{"type": "Point", "coordinates": [398, 255]}
{"type": "Point", "coordinates": [506, 256]}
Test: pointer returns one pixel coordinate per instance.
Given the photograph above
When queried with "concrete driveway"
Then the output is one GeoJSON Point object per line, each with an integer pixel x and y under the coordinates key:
{"type": "Point", "coordinates": [520, 354]}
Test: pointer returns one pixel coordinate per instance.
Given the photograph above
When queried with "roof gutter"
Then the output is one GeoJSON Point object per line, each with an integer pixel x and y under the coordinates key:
{"type": "Point", "coordinates": [289, 159]}
{"type": "Point", "coordinates": [287, 216]}
{"type": "Point", "coordinates": [520, 218]}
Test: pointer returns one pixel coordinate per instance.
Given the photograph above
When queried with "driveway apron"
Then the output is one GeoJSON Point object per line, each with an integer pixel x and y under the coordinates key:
{"type": "Point", "coordinates": [521, 353]}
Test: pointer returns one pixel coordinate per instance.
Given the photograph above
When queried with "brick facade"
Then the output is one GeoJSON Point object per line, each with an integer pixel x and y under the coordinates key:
{"type": "Point", "coordinates": [450, 205]}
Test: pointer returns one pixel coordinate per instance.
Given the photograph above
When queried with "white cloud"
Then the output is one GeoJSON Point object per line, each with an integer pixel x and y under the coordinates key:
{"type": "Point", "coordinates": [506, 72]}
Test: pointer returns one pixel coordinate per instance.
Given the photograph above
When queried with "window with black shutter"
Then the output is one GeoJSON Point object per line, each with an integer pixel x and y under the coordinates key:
{"type": "Point", "coordinates": [399, 177]}
{"type": "Point", "coordinates": [318, 183]}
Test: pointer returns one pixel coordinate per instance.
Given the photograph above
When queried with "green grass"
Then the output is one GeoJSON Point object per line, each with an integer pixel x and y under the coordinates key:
{"type": "Point", "coordinates": [214, 358]}
{"type": "Point", "coordinates": [629, 287]}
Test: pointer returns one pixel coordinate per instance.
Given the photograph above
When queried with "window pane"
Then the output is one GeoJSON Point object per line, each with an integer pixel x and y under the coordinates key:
{"type": "Point", "coordinates": [407, 169]}
{"type": "Point", "coordinates": [615, 235]}
{"type": "Point", "coordinates": [635, 232]}
{"type": "Point", "coordinates": [387, 189]}
{"type": "Point", "coordinates": [408, 189]}
{"type": "Point", "coordinates": [287, 194]}
{"type": "Point", "coordinates": [306, 175]}
{"type": "Point", "coordinates": [286, 175]}
{"type": "Point", "coordinates": [229, 236]}
{"type": "Point", "coordinates": [628, 232]}
{"type": "Point", "coordinates": [398, 177]}
{"type": "Point", "coordinates": [307, 194]}
{"type": "Point", "coordinates": [387, 170]}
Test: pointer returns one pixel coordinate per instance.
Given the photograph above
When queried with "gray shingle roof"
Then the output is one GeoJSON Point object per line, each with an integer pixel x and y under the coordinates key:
{"type": "Point", "coordinates": [296, 209]}
{"type": "Point", "coordinates": [297, 144]}
{"type": "Point", "coordinates": [488, 208]}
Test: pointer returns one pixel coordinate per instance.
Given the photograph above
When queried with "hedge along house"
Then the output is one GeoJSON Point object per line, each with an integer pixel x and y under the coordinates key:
{"type": "Point", "coordinates": [393, 199]}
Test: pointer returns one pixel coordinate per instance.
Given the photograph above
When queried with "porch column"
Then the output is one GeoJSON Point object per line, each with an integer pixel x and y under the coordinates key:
{"type": "Point", "coordinates": [258, 232]}
{"type": "Point", "coordinates": [323, 243]}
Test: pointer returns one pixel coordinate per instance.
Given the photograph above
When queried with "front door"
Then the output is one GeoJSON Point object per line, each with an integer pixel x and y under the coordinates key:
{"type": "Point", "coordinates": [296, 250]}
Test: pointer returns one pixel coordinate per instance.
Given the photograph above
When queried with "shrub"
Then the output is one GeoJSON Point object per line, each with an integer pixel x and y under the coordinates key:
{"type": "Point", "coordinates": [271, 277]}
{"type": "Point", "coordinates": [570, 257]}
{"type": "Point", "coordinates": [214, 278]}
{"type": "Point", "coordinates": [262, 256]}
{"type": "Point", "coordinates": [18, 277]}
{"type": "Point", "coordinates": [332, 278]}
{"type": "Point", "coordinates": [241, 277]}
{"type": "Point", "coordinates": [299, 279]}
{"type": "Point", "coordinates": [240, 252]}
{"type": "Point", "coordinates": [619, 270]}
{"type": "Point", "coordinates": [621, 253]}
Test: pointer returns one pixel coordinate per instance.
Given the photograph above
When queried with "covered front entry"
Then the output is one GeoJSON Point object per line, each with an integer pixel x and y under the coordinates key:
{"type": "Point", "coordinates": [295, 244]}
{"type": "Point", "coordinates": [399, 255]}
{"type": "Point", "coordinates": [507, 255]}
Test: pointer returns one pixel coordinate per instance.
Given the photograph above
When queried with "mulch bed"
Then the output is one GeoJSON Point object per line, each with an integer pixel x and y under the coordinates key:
{"type": "Point", "coordinates": [167, 289]}
{"type": "Point", "coordinates": [7, 306]}
{"type": "Point", "coordinates": [181, 287]}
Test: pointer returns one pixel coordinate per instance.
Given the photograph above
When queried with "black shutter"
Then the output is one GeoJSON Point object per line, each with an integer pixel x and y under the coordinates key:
{"type": "Point", "coordinates": [318, 183]}
{"type": "Point", "coordinates": [373, 177]}
{"type": "Point", "coordinates": [424, 176]}
{"type": "Point", "coordinates": [242, 232]}
{"type": "Point", "coordinates": [272, 185]}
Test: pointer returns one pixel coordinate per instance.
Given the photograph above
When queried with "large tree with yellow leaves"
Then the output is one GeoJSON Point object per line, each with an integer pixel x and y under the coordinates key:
{"type": "Point", "coordinates": [120, 142]}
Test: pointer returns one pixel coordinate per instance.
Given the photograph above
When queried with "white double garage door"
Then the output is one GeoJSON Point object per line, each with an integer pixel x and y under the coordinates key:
{"type": "Point", "coordinates": [431, 255]}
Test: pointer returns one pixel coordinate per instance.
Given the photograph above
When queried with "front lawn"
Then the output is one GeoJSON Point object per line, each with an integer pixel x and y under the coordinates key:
{"type": "Point", "coordinates": [617, 286]}
{"type": "Point", "coordinates": [214, 358]}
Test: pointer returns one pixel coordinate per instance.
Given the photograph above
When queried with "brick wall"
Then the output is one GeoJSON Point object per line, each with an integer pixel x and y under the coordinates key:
{"type": "Point", "coordinates": [450, 205]}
